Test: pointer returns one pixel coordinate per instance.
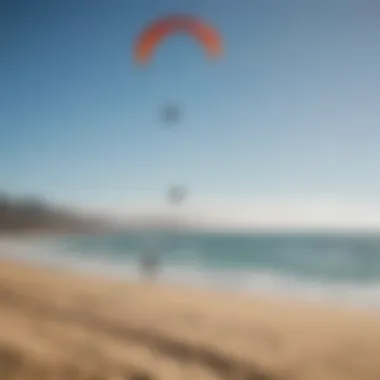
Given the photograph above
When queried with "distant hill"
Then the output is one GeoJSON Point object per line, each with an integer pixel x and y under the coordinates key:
{"type": "Point", "coordinates": [32, 214]}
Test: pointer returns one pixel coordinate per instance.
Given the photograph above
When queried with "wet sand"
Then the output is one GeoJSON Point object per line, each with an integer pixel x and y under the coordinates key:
{"type": "Point", "coordinates": [59, 325]}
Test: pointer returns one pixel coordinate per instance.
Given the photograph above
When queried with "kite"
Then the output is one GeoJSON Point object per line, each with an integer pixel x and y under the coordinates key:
{"type": "Point", "coordinates": [157, 31]}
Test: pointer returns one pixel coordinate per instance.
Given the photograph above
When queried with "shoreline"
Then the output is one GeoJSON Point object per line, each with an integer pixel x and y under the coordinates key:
{"type": "Point", "coordinates": [45, 251]}
{"type": "Point", "coordinates": [55, 321]}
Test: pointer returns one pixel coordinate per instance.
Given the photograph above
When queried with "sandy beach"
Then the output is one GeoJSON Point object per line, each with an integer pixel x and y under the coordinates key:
{"type": "Point", "coordinates": [59, 325]}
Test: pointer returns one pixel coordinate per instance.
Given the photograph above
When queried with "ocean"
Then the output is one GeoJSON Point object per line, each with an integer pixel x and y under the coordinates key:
{"type": "Point", "coordinates": [338, 268]}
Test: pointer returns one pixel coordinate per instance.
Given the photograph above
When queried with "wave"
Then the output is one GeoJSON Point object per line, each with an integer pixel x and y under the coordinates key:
{"type": "Point", "coordinates": [271, 282]}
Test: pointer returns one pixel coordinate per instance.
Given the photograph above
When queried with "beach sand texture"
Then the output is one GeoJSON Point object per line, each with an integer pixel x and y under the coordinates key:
{"type": "Point", "coordinates": [57, 325]}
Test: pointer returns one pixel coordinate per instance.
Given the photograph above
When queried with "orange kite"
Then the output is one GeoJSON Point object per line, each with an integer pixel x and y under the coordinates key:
{"type": "Point", "coordinates": [152, 36]}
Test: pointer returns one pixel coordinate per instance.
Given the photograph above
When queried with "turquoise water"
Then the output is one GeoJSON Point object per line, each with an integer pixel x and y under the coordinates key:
{"type": "Point", "coordinates": [315, 257]}
{"type": "Point", "coordinates": [335, 267]}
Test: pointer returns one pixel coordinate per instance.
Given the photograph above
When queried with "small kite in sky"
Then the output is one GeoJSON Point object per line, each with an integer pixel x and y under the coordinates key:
{"type": "Point", "coordinates": [159, 29]}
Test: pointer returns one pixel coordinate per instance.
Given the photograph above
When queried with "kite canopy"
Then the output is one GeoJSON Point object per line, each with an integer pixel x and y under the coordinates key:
{"type": "Point", "coordinates": [153, 35]}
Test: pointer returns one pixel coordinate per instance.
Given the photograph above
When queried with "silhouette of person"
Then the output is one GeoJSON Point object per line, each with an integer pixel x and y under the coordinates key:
{"type": "Point", "coordinates": [149, 263]}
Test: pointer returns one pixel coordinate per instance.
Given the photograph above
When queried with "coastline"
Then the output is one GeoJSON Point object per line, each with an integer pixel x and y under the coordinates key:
{"type": "Point", "coordinates": [54, 321]}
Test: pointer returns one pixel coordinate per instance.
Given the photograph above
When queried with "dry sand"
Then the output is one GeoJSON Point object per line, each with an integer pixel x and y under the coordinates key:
{"type": "Point", "coordinates": [57, 325]}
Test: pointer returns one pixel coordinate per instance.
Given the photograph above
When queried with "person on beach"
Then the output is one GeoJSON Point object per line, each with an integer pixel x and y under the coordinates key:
{"type": "Point", "coordinates": [149, 263]}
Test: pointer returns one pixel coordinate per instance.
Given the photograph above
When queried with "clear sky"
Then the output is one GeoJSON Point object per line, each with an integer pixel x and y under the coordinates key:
{"type": "Point", "coordinates": [291, 112]}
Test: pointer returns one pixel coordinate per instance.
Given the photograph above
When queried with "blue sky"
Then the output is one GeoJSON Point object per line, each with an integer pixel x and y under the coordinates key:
{"type": "Point", "coordinates": [291, 111]}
